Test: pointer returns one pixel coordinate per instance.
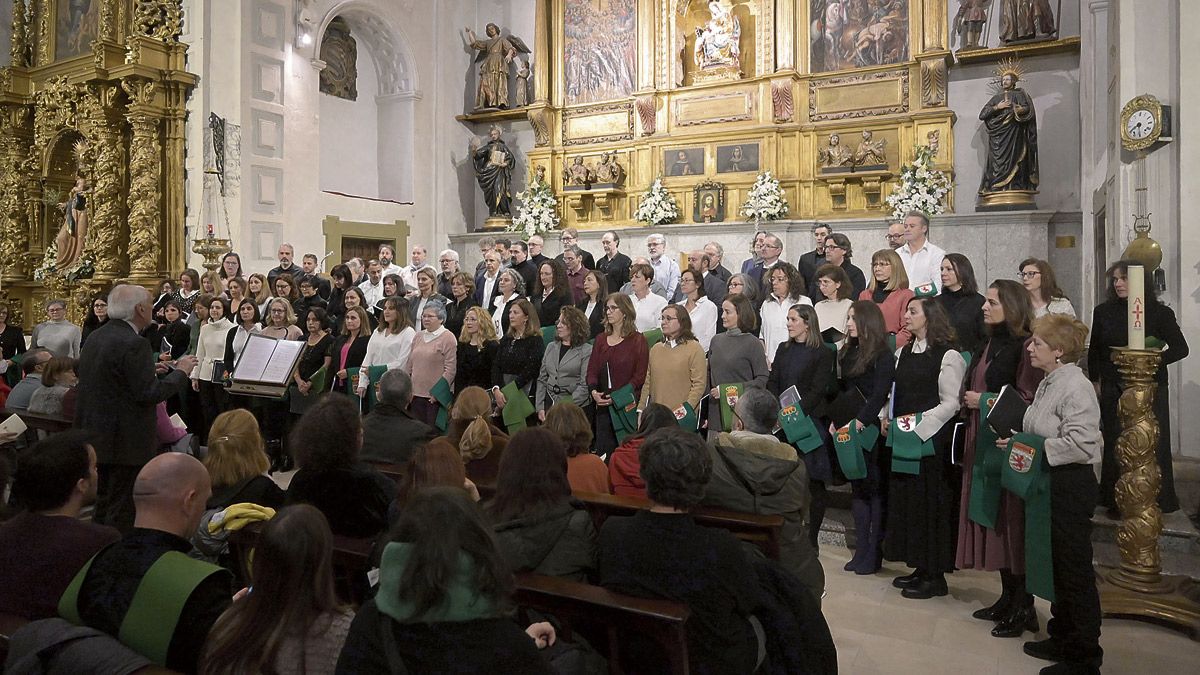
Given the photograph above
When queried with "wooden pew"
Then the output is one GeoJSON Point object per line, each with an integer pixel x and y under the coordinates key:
{"type": "Point", "coordinates": [47, 423]}
{"type": "Point", "coordinates": [603, 617]}
{"type": "Point", "coordinates": [351, 560]}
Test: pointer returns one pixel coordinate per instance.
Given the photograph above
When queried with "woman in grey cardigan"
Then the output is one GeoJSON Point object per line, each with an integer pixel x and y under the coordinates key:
{"type": "Point", "coordinates": [735, 356]}
{"type": "Point", "coordinates": [1066, 413]}
{"type": "Point", "coordinates": [565, 363]}
{"type": "Point", "coordinates": [57, 334]}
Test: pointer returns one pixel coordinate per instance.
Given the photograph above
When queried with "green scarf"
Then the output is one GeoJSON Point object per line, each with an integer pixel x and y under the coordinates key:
{"type": "Point", "coordinates": [462, 603]}
{"type": "Point", "coordinates": [727, 396]}
{"type": "Point", "coordinates": [1026, 474]}
{"type": "Point", "coordinates": [623, 412]}
{"type": "Point", "coordinates": [983, 506]}
{"type": "Point", "coordinates": [907, 447]}
{"type": "Point", "coordinates": [849, 445]}
{"type": "Point", "coordinates": [800, 429]}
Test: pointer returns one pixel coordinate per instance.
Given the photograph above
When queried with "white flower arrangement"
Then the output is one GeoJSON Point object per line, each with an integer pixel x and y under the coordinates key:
{"type": "Point", "coordinates": [539, 210]}
{"type": "Point", "coordinates": [921, 187]}
{"type": "Point", "coordinates": [766, 200]}
{"type": "Point", "coordinates": [657, 206]}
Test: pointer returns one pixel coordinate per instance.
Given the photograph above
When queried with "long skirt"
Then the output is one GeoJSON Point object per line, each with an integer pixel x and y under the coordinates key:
{"type": "Point", "coordinates": [984, 548]}
{"type": "Point", "coordinates": [919, 513]}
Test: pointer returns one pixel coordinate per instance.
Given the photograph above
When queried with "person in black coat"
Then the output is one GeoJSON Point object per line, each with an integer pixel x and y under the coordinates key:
{"type": "Point", "coordinates": [961, 299]}
{"type": "Point", "coordinates": [595, 290]}
{"type": "Point", "coordinates": [811, 261]}
{"type": "Point", "coordinates": [614, 265]}
{"type": "Point", "coordinates": [838, 251]}
{"type": "Point", "coordinates": [390, 432]}
{"type": "Point", "coordinates": [461, 298]}
{"type": "Point", "coordinates": [806, 363]}
{"type": "Point", "coordinates": [551, 292]}
{"type": "Point", "coordinates": [12, 338]}
{"type": "Point", "coordinates": [1110, 329]}
{"type": "Point", "coordinates": [521, 263]}
{"type": "Point", "coordinates": [118, 392]}
{"type": "Point", "coordinates": [355, 332]}
{"type": "Point", "coordinates": [519, 358]}
{"type": "Point", "coordinates": [174, 333]}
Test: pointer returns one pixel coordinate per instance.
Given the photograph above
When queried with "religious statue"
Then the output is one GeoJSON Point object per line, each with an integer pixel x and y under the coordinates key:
{"type": "Point", "coordinates": [969, 22]}
{"type": "Point", "coordinates": [1022, 20]}
{"type": "Point", "coordinates": [609, 171]}
{"type": "Point", "coordinates": [73, 232]}
{"type": "Point", "coordinates": [835, 155]}
{"type": "Point", "coordinates": [577, 174]}
{"type": "Point", "coordinates": [496, 52]}
{"type": "Point", "coordinates": [870, 152]}
{"type": "Point", "coordinates": [522, 94]}
{"type": "Point", "coordinates": [493, 169]}
{"type": "Point", "coordinates": [539, 175]}
{"type": "Point", "coordinates": [717, 41]}
{"type": "Point", "coordinates": [1012, 161]}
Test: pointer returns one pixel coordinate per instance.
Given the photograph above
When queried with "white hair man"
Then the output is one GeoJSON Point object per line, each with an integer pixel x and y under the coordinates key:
{"type": "Point", "coordinates": [666, 270]}
{"type": "Point", "coordinates": [449, 262]}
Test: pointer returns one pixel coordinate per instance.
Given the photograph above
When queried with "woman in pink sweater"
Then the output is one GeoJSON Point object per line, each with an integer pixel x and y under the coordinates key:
{"type": "Point", "coordinates": [434, 356]}
{"type": "Point", "coordinates": [889, 289]}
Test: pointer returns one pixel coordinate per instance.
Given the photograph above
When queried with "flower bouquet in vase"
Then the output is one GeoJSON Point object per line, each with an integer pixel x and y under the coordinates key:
{"type": "Point", "coordinates": [657, 206]}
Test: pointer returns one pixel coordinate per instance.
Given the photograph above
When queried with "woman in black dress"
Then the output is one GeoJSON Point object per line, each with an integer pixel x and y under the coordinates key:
{"type": "Point", "coordinates": [97, 316]}
{"type": "Point", "coordinates": [551, 292]}
{"type": "Point", "coordinates": [477, 347]}
{"type": "Point", "coordinates": [1109, 329]}
{"type": "Point", "coordinates": [929, 376]}
{"type": "Point", "coordinates": [806, 363]}
{"type": "Point", "coordinates": [520, 355]}
{"type": "Point", "coordinates": [12, 342]}
{"type": "Point", "coordinates": [462, 298]}
{"type": "Point", "coordinates": [866, 369]}
{"type": "Point", "coordinates": [316, 355]}
{"type": "Point", "coordinates": [595, 290]}
{"type": "Point", "coordinates": [961, 299]}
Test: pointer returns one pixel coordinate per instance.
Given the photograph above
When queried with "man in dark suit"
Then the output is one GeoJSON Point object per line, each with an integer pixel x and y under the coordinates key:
{"type": "Point", "coordinates": [570, 237]}
{"type": "Point", "coordinates": [536, 243]}
{"type": "Point", "coordinates": [119, 388]}
{"type": "Point", "coordinates": [523, 265]}
{"type": "Point", "coordinates": [486, 286]}
{"type": "Point", "coordinates": [390, 433]}
{"type": "Point", "coordinates": [812, 260]}
{"type": "Point", "coordinates": [716, 257]}
{"type": "Point", "coordinates": [614, 264]}
{"type": "Point", "coordinates": [287, 256]}
{"type": "Point", "coordinates": [714, 288]}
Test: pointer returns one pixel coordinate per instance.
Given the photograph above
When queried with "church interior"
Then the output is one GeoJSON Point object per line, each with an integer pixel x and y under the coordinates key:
{"type": "Point", "coordinates": [141, 138]}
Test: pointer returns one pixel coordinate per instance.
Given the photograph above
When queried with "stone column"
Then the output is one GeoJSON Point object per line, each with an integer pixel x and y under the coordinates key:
{"type": "Point", "coordinates": [145, 167]}
{"type": "Point", "coordinates": [785, 36]}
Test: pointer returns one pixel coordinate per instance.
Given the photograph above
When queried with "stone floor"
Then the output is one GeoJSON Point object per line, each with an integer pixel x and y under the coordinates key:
{"type": "Point", "coordinates": [877, 631]}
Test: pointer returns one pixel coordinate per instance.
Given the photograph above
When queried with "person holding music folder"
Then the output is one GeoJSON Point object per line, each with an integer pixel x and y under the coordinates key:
{"type": "Point", "coordinates": [519, 357]}
{"type": "Point", "coordinates": [736, 356]}
{"type": "Point", "coordinates": [619, 357]}
{"type": "Point", "coordinates": [1066, 414]}
{"type": "Point", "coordinates": [806, 363]}
{"type": "Point", "coordinates": [991, 521]}
{"type": "Point", "coordinates": [350, 346]}
{"type": "Point", "coordinates": [210, 350]}
{"type": "Point", "coordinates": [925, 401]}
{"type": "Point", "coordinates": [866, 371]}
{"type": "Point", "coordinates": [391, 343]}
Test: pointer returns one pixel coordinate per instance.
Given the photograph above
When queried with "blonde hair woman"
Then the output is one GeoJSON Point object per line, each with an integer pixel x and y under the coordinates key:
{"type": "Point", "coordinates": [477, 346]}
{"type": "Point", "coordinates": [478, 441]}
{"type": "Point", "coordinates": [889, 289]}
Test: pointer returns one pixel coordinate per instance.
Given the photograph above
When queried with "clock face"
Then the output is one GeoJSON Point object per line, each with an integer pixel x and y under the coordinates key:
{"type": "Point", "coordinates": [1140, 125]}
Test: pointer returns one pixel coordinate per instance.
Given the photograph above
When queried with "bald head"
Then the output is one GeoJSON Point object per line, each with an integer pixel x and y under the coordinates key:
{"type": "Point", "coordinates": [170, 493]}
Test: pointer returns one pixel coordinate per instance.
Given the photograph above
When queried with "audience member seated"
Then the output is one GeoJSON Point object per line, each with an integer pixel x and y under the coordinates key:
{"type": "Point", "coordinates": [539, 526]}
{"type": "Point", "coordinates": [56, 396]}
{"type": "Point", "coordinates": [292, 622]}
{"type": "Point", "coordinates": [173, 600]}
{"type": "Point", "coordinates": [754, 472]}
{"type": "Point", "coordinates": [663, 553]}
{"type": "Point", "coordinates": [31, 368]}
{"type": "Point", "coordinates": [586, 472]}
{"type": "Point", "coordinates": [390, 432]}
{"type": "Point", "coordinates": [444, 599]}
{"type": "Point", "coordinates": [237, 463]}
{"type": "Point", "coordinates": [352, 495]}
{"type": "Point", "coordinates": [46, 544]}
{"type": "Point", "coordinates": [435, 464]}
{"type": "Point", "coordinates": [624, 470]}
{"type": "Point", "coordinates": [480, 442]}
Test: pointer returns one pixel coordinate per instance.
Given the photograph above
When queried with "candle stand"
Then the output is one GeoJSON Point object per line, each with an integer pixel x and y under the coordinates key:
{"type": "Point", "coordinates": [1138, 589]}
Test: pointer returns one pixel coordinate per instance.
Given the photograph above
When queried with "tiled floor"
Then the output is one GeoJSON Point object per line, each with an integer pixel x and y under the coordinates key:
{"type": "Point", "coordinates": [877, 631]}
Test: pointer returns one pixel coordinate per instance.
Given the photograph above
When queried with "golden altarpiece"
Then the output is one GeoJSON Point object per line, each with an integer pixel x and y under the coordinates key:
{"type": "Point", "coordinates": [91, 105]}
{"type": "Point", "coordinates": [698, 92]}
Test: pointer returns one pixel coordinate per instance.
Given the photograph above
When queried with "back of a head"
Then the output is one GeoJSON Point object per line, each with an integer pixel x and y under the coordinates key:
{"type": "Point", "coordinates": [570, 424]}
{"type": "Point", "coordinates": [123, 299]}
{"type": "Point", "coordinates": [34, 358]}
{"type": "Point", "coordinates": [676, 467]}
{"type": "Point", "coordinates": [656, 416]}
{"type": "Point", "coordinates": [533, 475]}
{"type": "Point", "coordinates": [435, 464]}
{"type": "Point", "coordinates": [235, 448]}
{"type": "Point", "coordinates": [329, 434]}
{"type": "Point", "coordinates": [49, 471]}
{"type": "Point", "coordinates": [759, 410]}
{"type": "Point", "coordinates": [440, 525]}
{"type": "Point", "coordinates": [395, 388]}
{"type": "Point", "coordinates": [171, 489]}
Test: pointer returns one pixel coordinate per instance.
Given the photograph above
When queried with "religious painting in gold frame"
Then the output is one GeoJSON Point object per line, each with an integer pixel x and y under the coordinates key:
{"type": "Point", "coordinates": [683, 162]}
{"type": "Point", "coordinates": [849, 34]}
{"type": "Point", "coordinates": [599, 49]}
{"type": "Point", "coordinates": [708, 206]}
{"type": "Point", "coordinates": [75, 26]}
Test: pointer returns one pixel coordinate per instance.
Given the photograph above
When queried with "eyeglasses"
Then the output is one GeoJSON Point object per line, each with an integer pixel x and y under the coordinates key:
{"type": "Point", "coordinates": [895, 236]}
{"type": "Point", "coordinates": [772, 245]}
{"type": "Point", "coordinates": [829, 246]}
{"type": "Point", "coordinates": [1027, 275]}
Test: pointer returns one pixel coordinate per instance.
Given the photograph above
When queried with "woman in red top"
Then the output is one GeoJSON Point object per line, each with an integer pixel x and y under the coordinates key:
{"type": "Point", "coordinates": [624, 469]}
{"type": "Point", "coordinates": [619, 357]}
{"type": "Point", "coordinates": [889, 289]}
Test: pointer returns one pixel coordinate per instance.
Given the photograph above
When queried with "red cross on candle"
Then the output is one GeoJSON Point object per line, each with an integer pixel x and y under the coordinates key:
{"type": "Point", "coordinates": [1138, 311]}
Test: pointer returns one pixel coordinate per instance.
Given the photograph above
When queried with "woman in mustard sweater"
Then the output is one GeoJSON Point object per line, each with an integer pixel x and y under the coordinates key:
{"type": "Point", "coordinates": [678, 353]}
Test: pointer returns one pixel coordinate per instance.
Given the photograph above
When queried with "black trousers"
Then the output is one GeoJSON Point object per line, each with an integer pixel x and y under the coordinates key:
{"type": "Point", "coordinates": [1075, 614]}
{"type": "Point", "coordinates": [213, 402]}
{"type": "Point", "coordinates": [114, 496]}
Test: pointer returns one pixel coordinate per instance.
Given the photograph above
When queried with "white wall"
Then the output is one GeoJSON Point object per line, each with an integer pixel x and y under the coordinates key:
{"type": "Point", "coordinates": [6, 16]}
{"type": "Point", "coordinates": [350, 142]}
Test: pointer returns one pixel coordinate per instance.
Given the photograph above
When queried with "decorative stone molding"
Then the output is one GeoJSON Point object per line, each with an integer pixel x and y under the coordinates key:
{"type": "Point", "coordinates": [933, 83]}
{"type": "Point", "coordinates": [647, 109]}
{"type": "Point", "coordinates": [782, 105]}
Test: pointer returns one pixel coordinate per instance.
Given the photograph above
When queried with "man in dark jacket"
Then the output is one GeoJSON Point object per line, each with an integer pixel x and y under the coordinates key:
{"type": "Point", "coordinates": [811, 261]}
{"type": "Point", "coordinates": [118, 391]}
{"type": "Point", "coordinates": [523, 266]}
{"type": "Point", "coordinates": [754, 472]}
{"type": "Point", "coordinates": [390, 432]}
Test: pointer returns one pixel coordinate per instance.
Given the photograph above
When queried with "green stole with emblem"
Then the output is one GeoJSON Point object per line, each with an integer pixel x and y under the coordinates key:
{"type": "Point", "coordinates": [983, 507]}
{"type": "Point", "coordinates": [1026, 474]}
{"type": "Point", "coordinates": [800, 429]}
{"type": "Point", "coordinates": [907, 447]}
{"type": "Point", "coordinates": [849, 444]}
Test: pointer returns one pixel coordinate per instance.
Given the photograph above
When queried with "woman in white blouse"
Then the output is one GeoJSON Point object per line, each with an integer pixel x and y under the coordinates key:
{"type": "Point", "coordinates": [647, 305]}
{"type": "Point", "coordinates": [391, 343]}
{"type": "Point", "coordinates": [701, 310]}
{"type": "Point", "coordinates": [925, 401]}
{"type": "Point", "coordinates": [512, 288]}
{"type": "Point", "coordinates": [1037, 276]}
{"type": "Point", "coordinates": [787, 288]}
{"type": "Point", "coordinates": [836, 291]}
{"type": "Point", "coordinates": [210, 348]}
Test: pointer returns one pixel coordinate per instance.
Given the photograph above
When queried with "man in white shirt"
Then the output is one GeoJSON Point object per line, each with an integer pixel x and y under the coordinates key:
{"type": "Point", "coordinates": [666, 270]}
{"type": "Point", "coordinates": [409, 274]}
{"type": "Point", "coordinates": [485, 282]}
{"type": "Point", "coordinates": [387, 259]}
{"type": "Point", "coordinates": [922, 259]}
{"type": "Point", "coordinates": [373, 286]}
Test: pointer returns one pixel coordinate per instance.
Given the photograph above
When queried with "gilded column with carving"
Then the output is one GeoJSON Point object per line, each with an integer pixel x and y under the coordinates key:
{"type": "Point", "coordinates": [19, 47]}
{"type": "Point", "coordinates": [107, 234]}
{"type": "Point", "coordinates": [16, 133]}
{"type": "Point", "coordinates": [145, 169]}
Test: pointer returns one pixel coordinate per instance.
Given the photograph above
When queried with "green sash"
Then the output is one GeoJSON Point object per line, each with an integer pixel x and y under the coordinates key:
{"type": "Point", "coordinates": [157, 605]}
{"type": "Point", "coordinates": [517, 407]}
{"type": "Point", "coordinates": [374, 373]}
{"type": "Point", "coordinates": [548, 335]}
{"type": "Point", "coordinates": [653, 337]}
{"type": "Point", "coordinates": [983, 507]}
{"type": "Point", "coordinates": [1026, 474]}
{"type": "Point", "coordinates": [849, 445]}
{"type": "Point", "coordinates": [907, 447]}
{"type": "Point", "coordinates": [13, 374]}
{"type": "Point", "coordinates": [319, 381]}
{"type": "Point", "coordinates": [623, 412]}
{"type": "Point", "coordinates": [799, 429]}
{"type": "Point", "coordinates": [686, 416]}
{"type": "Point", "coordinates": [441, 393]}
{"type": "Point", "coordinates": [728, 395]}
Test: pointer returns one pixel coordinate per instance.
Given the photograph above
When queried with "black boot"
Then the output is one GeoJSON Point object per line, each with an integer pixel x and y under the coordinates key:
{"type": "Point", "coordinates": [909, 580]}
{"type": "Point", "coordinates": [1021, 617]}
{"type": "Point", "coordinates": [998, 609]}
{"type": "Point", "coordinates": [860, 510]}
{"type": "Point", "coordinates": [930, 586]}
{"type": "Point", "coordinates": [816, 512]}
